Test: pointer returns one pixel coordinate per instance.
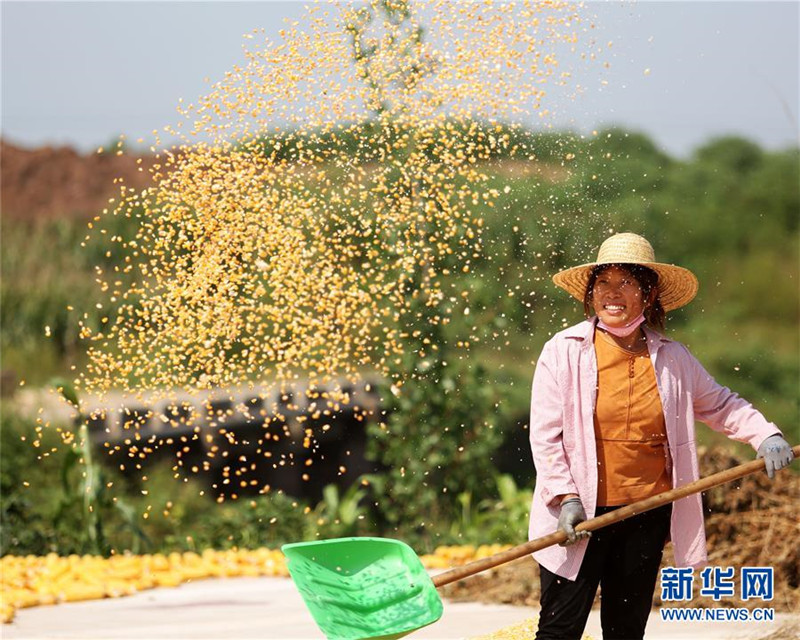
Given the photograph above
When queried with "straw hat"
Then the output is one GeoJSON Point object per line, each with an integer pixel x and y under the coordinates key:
{"type": "Point", "coordinates": [676, 285]}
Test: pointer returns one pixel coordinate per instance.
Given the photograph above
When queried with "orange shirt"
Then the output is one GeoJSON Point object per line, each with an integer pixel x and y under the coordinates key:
{"type": "Point", "coordinates": [628, 425]}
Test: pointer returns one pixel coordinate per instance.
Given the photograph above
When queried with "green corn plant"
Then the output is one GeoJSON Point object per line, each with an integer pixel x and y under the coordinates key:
{"type": "Point", "coordinates": [92, 496]}
{"type": "Point", "coordinates": [339, 514]}
{"type": "Point", "coordinates": [91, 474]}
{"type": "Point", "coordinates": [506, 520]}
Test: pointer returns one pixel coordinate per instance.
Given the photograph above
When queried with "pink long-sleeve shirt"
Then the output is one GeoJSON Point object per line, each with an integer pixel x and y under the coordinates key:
{"type": "Point", "coordinates": [563, 399]}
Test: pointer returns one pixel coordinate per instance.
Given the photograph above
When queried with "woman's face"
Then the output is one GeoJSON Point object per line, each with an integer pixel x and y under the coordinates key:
{"type": "Point", "coordinates": [617, 297]}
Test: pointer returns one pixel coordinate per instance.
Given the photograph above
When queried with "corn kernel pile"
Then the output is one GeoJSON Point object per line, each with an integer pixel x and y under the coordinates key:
{"type": "Point", "coordinates": [520, 631]}
{"type": "Point", "coordinates": [31, 581]}
{"type": "Point", "coordinates": [264, 252]}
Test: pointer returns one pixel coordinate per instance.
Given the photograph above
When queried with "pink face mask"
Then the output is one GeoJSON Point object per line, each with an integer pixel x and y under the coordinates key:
{"type": "Point", "coordinates": [622, 332]}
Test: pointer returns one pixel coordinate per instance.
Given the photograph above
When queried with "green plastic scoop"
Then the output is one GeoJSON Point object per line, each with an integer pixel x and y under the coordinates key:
{"type": "Point", "coordinates": [363, 587]}
{"type": "Point", "coordinates": [377, 588]}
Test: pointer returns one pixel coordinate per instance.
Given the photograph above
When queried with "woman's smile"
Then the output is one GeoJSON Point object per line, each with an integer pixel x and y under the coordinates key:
{"type": "Point", "coordinates": [617, 297]}
{"type": "Point", "coordinates": [614, 309]}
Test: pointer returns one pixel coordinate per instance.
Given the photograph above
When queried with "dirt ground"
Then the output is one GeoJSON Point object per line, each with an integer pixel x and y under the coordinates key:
{"type": "Point", "coordinates": [59, 182]}
{"type": "Point", "coordinates": [750, 522]}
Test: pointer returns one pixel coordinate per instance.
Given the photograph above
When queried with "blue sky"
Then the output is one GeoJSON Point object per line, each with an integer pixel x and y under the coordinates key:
{"type": "Point", "coordinates": [80, 73]}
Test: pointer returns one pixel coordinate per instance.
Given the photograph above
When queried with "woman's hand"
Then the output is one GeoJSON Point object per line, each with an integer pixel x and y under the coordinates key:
{"type": "Point", "coordinates": [571, 514]}
{"type": "Point", "coordinates": [776, 453]}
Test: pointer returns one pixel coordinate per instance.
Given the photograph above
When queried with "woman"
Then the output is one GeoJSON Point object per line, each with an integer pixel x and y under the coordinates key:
{"type": "Point", "coordinates": [613, 409]}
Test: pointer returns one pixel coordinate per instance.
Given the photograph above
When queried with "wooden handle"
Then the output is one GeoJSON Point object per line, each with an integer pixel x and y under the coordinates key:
{"type": "Point", "coordinates": [617, 515]}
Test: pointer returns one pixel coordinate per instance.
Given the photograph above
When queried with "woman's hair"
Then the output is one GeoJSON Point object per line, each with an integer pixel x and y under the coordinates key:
{"type": "Point", "coordinates": [648, 280]}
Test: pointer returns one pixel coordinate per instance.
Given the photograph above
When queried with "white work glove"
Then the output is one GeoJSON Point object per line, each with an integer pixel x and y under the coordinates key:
{"type": "Point", "coordinates": [776, 452]}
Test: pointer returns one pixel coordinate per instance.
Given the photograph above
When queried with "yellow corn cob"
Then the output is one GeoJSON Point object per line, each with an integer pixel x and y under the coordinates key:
{"type": "Point", "coordinates": [6, 612]}
{"type": "Point", "coordinates": [79, 592]}
{"type": "Point", "coordinates": [118, 588]}
{"type": "Point", "coordinates": [167, 579]}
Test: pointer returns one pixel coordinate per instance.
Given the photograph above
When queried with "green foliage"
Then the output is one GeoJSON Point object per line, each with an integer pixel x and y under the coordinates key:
{"type": "Point", "coordinates": [197, 523]}
{"type": "Point", "coordinates": [42, 504]}
{"type": "Point", "coordinates": [339, 514]}
{"type": "Point", "coordinates": [410, 67]}
{"type": "Point", "coordinates": [48, 283]}
{"type": "Point", "coordinates": [443, 427]}
{"type": "Point", "coordinates": [730, 155]}
{"type": "Point", "coordinates": [39, 515]}
{"type": "Point", "coordinates": [75, 519]}
{"type": "Point", "coordinates": [501, 518]}
{"type": "Point", "coordinates": [376, 139]}
{"type": "Point", "coordinates": [67, 391]}
{"type": "Point", "coordinates": [24, 525]}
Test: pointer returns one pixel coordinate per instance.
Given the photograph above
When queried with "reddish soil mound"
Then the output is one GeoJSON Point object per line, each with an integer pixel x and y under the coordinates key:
{"type": "Point", "coordinates": [58, 182]}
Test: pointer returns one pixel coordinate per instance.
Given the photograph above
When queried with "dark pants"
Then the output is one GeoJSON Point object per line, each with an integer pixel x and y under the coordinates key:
{"type": "Point", "coordinates": [623, 559]}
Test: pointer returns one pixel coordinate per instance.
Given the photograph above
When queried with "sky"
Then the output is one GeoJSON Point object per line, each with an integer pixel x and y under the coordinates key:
{"type": "Point", "coordinates": [81, 73]}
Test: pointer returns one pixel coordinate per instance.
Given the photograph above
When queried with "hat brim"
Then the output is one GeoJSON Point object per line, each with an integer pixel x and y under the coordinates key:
{"type": "Point", "coordinates": [677, 286]}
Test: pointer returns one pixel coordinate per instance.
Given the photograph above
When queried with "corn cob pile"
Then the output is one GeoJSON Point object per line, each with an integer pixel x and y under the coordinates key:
{"type": "Point", "coordinates": [454, 556]}
{"type": "Point", "coordinates": [31, 581]}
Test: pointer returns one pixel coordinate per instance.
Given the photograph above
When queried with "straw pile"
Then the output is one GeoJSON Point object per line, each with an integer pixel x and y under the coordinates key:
{"type": "Point", "coordinates": [789, 630]}
{"type": "Point", "coordinates": [750, 522]}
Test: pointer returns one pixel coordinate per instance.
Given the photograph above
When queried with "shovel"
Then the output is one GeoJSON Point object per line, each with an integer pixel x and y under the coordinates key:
{"type": "Point", "coordinates": [377, 589]}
